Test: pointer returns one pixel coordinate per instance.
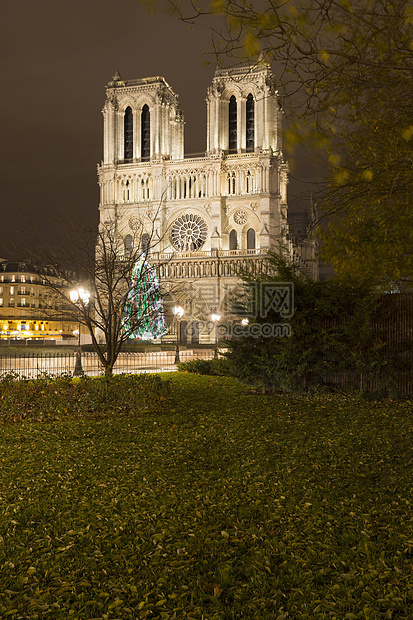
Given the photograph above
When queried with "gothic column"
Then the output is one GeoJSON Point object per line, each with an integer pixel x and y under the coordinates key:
{"type": "Point", "coordinates": [108, 132]}
{"type": "Point", "coordinates": [119, 135]}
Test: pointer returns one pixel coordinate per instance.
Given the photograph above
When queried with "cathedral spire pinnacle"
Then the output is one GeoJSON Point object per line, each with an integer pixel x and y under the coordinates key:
{"type": "Point", "coordinates": [117, 76]}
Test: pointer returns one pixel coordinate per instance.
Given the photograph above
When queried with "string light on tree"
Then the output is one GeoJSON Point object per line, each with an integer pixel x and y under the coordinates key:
{"type": "Point", "coordinates": [144, 316]}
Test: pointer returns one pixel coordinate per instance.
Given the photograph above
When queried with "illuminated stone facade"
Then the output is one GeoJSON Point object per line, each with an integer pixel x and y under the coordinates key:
{"type": "Point", "coordinates": [29, 309]}
{"type": "Point", "coordinates": [206, 216]}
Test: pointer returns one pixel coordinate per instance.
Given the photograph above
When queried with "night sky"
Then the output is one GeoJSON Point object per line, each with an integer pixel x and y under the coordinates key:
{"type": "Point", "coordinates": [57, 58]}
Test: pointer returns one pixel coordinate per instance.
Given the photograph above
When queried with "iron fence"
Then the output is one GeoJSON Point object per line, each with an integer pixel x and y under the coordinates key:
{"type": "Point", "coordinates": [392, 325]}
{"type": "Point", "coordinates": [31, 366]}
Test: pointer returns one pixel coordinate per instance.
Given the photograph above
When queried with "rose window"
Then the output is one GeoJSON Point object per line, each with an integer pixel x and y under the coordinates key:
{"type": "Point", "coordinates": [189, 233]}
{"type": "Point", "coordinates": [240, 217]}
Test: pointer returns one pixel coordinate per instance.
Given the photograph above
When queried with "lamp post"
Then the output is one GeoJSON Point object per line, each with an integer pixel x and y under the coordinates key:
{"type": "Point", "coordinates": [178, 313]}
{"type": "Point", "coordinates": [215, 316]}
{"type": "Point", "coordinates": [80, 298]}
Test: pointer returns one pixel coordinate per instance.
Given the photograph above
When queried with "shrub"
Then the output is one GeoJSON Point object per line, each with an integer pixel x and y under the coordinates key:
{"type": "Point", "coordinates": [334, 332]}
{"type": "Point", "coordinates": [49, 398]}
{"type": "Point", "coordinates": [221, 367]}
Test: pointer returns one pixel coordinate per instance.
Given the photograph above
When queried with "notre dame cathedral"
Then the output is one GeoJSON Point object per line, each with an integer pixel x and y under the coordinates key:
{"type": "Point", "coordinates": [205, 216]}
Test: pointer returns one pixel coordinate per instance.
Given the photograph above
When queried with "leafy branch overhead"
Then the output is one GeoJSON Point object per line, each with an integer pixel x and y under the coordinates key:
{"type": "Point", "coordinates": [345, 71]}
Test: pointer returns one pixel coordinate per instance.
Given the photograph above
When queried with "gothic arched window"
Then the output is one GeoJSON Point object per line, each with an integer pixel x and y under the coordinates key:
{"type": "Point", "coordinates": [145, 133]}
{"type": "Point", "coordinates": [250, 239]}
{"type": "Point", "coordinates": [145, 243]}
{"type": "Point", "coordinates": [233, 242]}
{"type": "Point", "coordinates": [232, 143]}
{"type": "Point", "coordinates": [126, 191]}
{"type": "Point", "coordinates": [250, 124]}
{"type": "Point", "coordinates": [128, 134]}
{"type": "Point", "coordinates": [128, 245]}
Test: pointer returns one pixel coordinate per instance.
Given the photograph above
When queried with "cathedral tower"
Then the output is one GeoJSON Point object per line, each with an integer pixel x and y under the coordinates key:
{"type": "Point", "coordinates": [208, 215]}
{"type": "Point", "coordinates": [244, 112]}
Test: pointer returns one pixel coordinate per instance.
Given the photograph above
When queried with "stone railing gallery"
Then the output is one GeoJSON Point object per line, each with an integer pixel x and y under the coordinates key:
{"type": "Point", "coordinates": [214, 263]}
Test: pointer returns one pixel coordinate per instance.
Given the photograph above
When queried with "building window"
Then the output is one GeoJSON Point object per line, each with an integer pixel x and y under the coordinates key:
{"type": "Point", "coordinates": [145, 194]}
{"type": "Point", "coordinates": [232, 143]}
{"type": "Point", "coordinates": [13, 278]}
{"type": "Point", "coordinates": [189, 233]}
{"type": "Point", "coordinates": [128, 134]}
{"type": "Point", "coordinates": [146, 133]}
{"type": "Point", "coordinates": [126, 191]}
{"type": "Point", "coordinates": [145, 243]}
{"type": "Point", "coordinates": [22, 278]}
{"type": "Point", "coordinates": [250, 124]}
{"type": "Point", "coordinates": [250, 239]}
{"type": "Point", "coordinates": [1, 301]}
{"type": "Point", "coordinates": [128, 245]}
{"type": "Point", "coordinates": [22, 290]}
{"type": "Point", "coordinates": [248, 188]}
{"type": "Point", "coordinates": [12, 290]}
{"type": "Point", "coordinates": [11, 302]}
{"type": "Point", "coordinates": [231, 183]}
{"type": "Point", "coordinates": [233, 242]}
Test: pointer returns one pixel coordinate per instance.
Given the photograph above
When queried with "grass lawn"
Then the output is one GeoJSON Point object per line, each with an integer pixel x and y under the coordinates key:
{"type": "Point", "coordinates": [223, 505]}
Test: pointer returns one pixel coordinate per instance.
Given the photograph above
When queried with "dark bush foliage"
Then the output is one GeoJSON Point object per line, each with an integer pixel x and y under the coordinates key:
{"type": "Point", "coordinates": [218, 367]}
{"type": "Point", "coordinates": [334, 332]}
{"type": "Point", "coordinates": [49, 398]}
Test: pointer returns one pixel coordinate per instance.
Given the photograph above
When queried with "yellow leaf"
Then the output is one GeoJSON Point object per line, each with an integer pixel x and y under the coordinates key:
{"type": "Point", "coordinates": [341, 177]}
{"type": "Point", "coordinates": [334, 159]}
{"type": "Point", "coordinates": [217, 6]}
{"type": "Point", "coordinates": [251, 44]}
{"type": "Point", "coordinates": [407, 133]}
{"type": "Point", "coordinates": [367, 175]}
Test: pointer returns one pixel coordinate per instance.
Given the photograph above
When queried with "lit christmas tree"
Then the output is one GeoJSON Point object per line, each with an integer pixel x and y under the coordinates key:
{"type": "Point", "coordinates": [143, 313]}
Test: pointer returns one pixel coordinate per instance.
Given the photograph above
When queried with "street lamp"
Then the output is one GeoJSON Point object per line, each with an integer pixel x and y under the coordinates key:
{"type": "Point", "coordinates": [215, 316]}
{"type": "Point", "coordinates": [80, 297]}
{"type": "Point", "coordinates": [178, 313]}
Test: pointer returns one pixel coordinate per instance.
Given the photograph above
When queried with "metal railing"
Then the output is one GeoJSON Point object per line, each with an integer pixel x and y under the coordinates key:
{"type": "Point", "coordinates": [31, 366]}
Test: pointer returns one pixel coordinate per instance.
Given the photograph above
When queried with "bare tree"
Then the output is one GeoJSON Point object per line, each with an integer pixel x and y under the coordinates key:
{"type": "Point", "coordinates": [112, 268]}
